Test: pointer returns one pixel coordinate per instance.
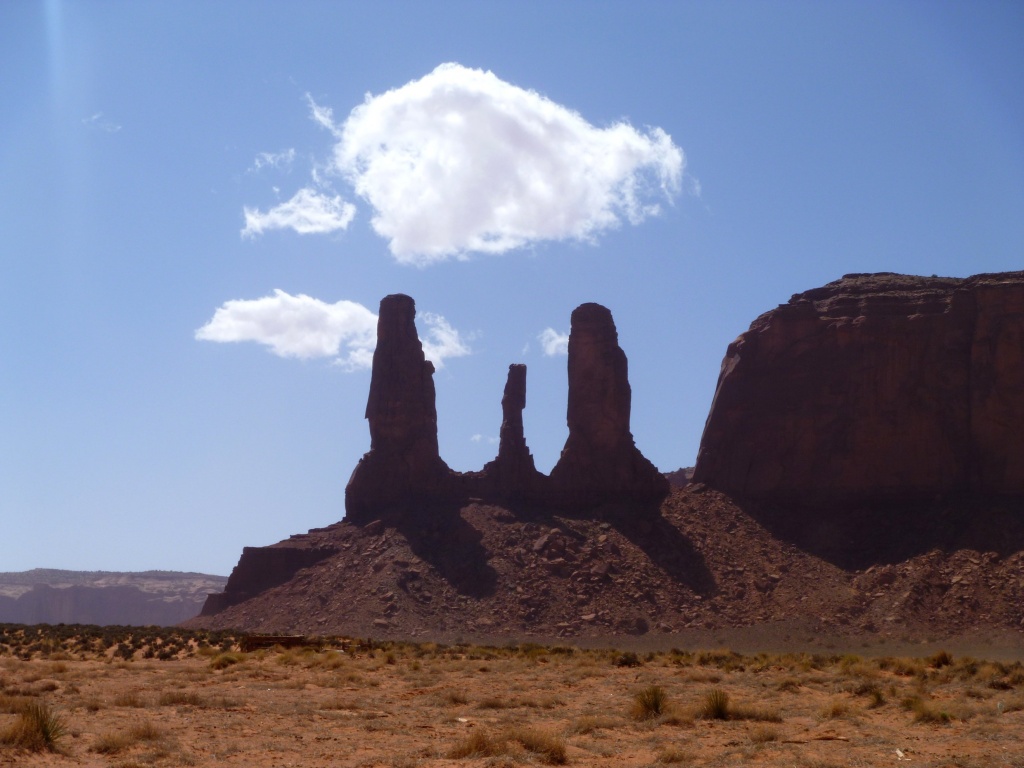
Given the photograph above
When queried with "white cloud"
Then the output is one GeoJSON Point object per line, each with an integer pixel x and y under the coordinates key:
{"type": "Point", "coordinates": [322, 115]}
{"type": "Point", "coordinates": [281, 161]}
{"type": "Point", "coordinates": [461, 161]}
{"type": "Point", "coordinates": [100, 123]}
{"type": "Point", "coordinates": [308, 212]}
{"type": "Point", "coordinates": [304, 327]}
{"type": "Point", "coordinates": [441, 340]}
{"type": "Point", "coordinates": [553, 342]}
{"type": "Point", "coordinates": [478, 438]}
{"type": "Point", "coordinates": [298, 326]}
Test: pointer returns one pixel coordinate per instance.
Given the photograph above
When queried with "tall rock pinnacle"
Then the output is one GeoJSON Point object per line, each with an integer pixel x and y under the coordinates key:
{"type": "Point", "coordinates": [403, 463]}
{"type": "Point", "coordinates": [512, 476]}
{"type": "Point", "coordinates": [600, 461]}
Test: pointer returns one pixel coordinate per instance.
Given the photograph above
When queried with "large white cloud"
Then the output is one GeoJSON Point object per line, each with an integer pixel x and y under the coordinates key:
{"type": "Point", "coordinates": [308, 212]}
{"type": "Point", "coordinates": [460, 161]}
{"type": "Point", "coordinates": [553, 342]}
{"type": "Point", "coordinates": [304, 327]}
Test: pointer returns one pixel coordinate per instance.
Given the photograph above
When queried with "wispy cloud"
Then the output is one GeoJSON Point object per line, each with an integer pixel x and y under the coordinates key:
{"type": "Point", "coordinates": [308, 212]}
{"type": "Point", "coordinates": [98, 122]}
{"type": "Point", "coordinates": [553, 342]}
{"type": "Point", "coordinates": [281, 161]}
{"type": "Point", "coordinates": [461, 161]}
{"type": "Point", "coordinates": [441, 341]}
{"type": "Point", "coordinates": [304, 327]}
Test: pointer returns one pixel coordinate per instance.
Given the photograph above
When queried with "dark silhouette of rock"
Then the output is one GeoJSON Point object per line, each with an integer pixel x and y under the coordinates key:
{"type": "Point", "coordinates": [884, 394]}
{"type": "Point", "coordinates": [600, 461]}
{"type": "Point", "coordinates": [403, 469]}
{"type": "Point", "coordinates": [262, 568]}
{"type": "Point", "coordinates": [512, 476]}
{"type": "Point", "coordinates": [403, 464]}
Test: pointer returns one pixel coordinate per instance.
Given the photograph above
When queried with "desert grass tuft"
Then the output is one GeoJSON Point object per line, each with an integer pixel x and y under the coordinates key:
{"type": "Point", "coordinates": [113, 742]}
{"type": "Point", "coordinates": [715, 705]}
{"type": "Point", "coordinates": [548, 748]}
{"type": "Point", "coordinates": [478, 744]}
{"type": "Point", "coordinates": [649, 703]}
{"type": "Point", "coordinates": [180, 698]}
{"type": "Point", "coordinates": [674, 756]}
{"type": "Point", "coordinates": [36, 729]}
{"type": "Point", "coordinates": [763, 734]}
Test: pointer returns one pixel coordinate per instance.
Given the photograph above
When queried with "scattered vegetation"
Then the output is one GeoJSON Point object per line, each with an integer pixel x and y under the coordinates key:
{"type": "Point", "coordinates": [510, 705]}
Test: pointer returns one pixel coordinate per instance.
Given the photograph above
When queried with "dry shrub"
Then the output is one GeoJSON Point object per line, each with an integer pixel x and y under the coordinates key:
{"type": "Point", "coordinates": [129, 699]}
{"type": "Point", "coordinates": [590, 723]}
{"type": "Point", "coordinates": [111, 743]}
{"type": "Point", "coordinates": [715, 705]}
{"type": "Point", "coordinates": [763, 734]}
{"type": "Point", "coordinates": [180, 698]}
{"type": "Point", "coordinates": [479, 744]}
{"type": "Point", "coordinates": [674, 756]}
{"type": "Point", "coordinates": [649, 703]}
{"type": "Point", "coordinates": [225, 660]}
{"type": "Point", "coordinates": [14, 705]}
{"type": "Point", "coordinates": [548, 747]}
{"type": "Point", "coordinates": [494, 703]}
{"type": "Point", "coordinates": [37, 728]}
{"type": "Point", "coordinates": [835, 709]}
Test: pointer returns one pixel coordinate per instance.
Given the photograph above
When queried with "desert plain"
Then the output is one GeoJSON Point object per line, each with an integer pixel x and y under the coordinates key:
{"type": "Point", "coordinates": [127, 697]}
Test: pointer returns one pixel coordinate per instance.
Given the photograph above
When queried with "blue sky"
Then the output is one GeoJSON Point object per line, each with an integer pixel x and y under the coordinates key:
{"type": "Point", "coordinates": [183, 369]}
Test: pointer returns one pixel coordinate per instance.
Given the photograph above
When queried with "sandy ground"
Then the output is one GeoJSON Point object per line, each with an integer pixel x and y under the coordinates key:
{"type": "Point", "coordinates": [426, 705]}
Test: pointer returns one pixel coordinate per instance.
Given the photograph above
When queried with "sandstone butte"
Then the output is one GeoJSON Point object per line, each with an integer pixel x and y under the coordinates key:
{"type": "Point", "coordinates": [891, 403]}
{"type": "Point", "coordinates": [861, 469]}
{"type": "Point", "coordinates": [403, 473]}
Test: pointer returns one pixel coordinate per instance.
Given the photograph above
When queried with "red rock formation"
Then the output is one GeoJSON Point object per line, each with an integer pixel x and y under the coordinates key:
{"type": "Point", "coordinates": [403, 463]}
{"type": "Point", "coordinates": [403, 467]}
{"type": "Point", "coordinates": [512, 476]}
{"type": "Point", "coordinates": [874, 388]}
{"type": "Point", "coordinates": [600, 461]}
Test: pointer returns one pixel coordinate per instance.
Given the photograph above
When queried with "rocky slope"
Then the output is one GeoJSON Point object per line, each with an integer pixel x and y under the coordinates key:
{"type": "Point", "coordinates": [482, 571]}
{"type": "Point", "coordinates": [48, 596]}
{"type": "Point", "coordinates": [861, 472]}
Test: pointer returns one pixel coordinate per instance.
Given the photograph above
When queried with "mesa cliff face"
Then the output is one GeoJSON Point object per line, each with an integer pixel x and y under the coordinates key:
{"type": "Point", "coordinates": [875, 408]}
{"type": "Point", "coordinates": [403, 469]}
{"type": "Point", "coordinates": [874, 387]}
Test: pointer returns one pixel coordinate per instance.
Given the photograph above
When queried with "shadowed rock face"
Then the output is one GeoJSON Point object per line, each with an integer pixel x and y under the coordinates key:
{"type": "Point", "coordinates": [403, 463]}
{"type": "Point", "coordinates": [512, 475]}
{"type": "Point", "coordinates": [874, 388]}
{"type": "Point", "coordinates": [600, 461]}
{"type": "Point", "coordinates": [403, 469]}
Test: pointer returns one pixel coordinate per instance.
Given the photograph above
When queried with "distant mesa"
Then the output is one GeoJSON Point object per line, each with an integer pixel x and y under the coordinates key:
{"type": "Point", "coordinates": [403, 469]}
{"type": "Point", "coordinates": [49, 596]}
